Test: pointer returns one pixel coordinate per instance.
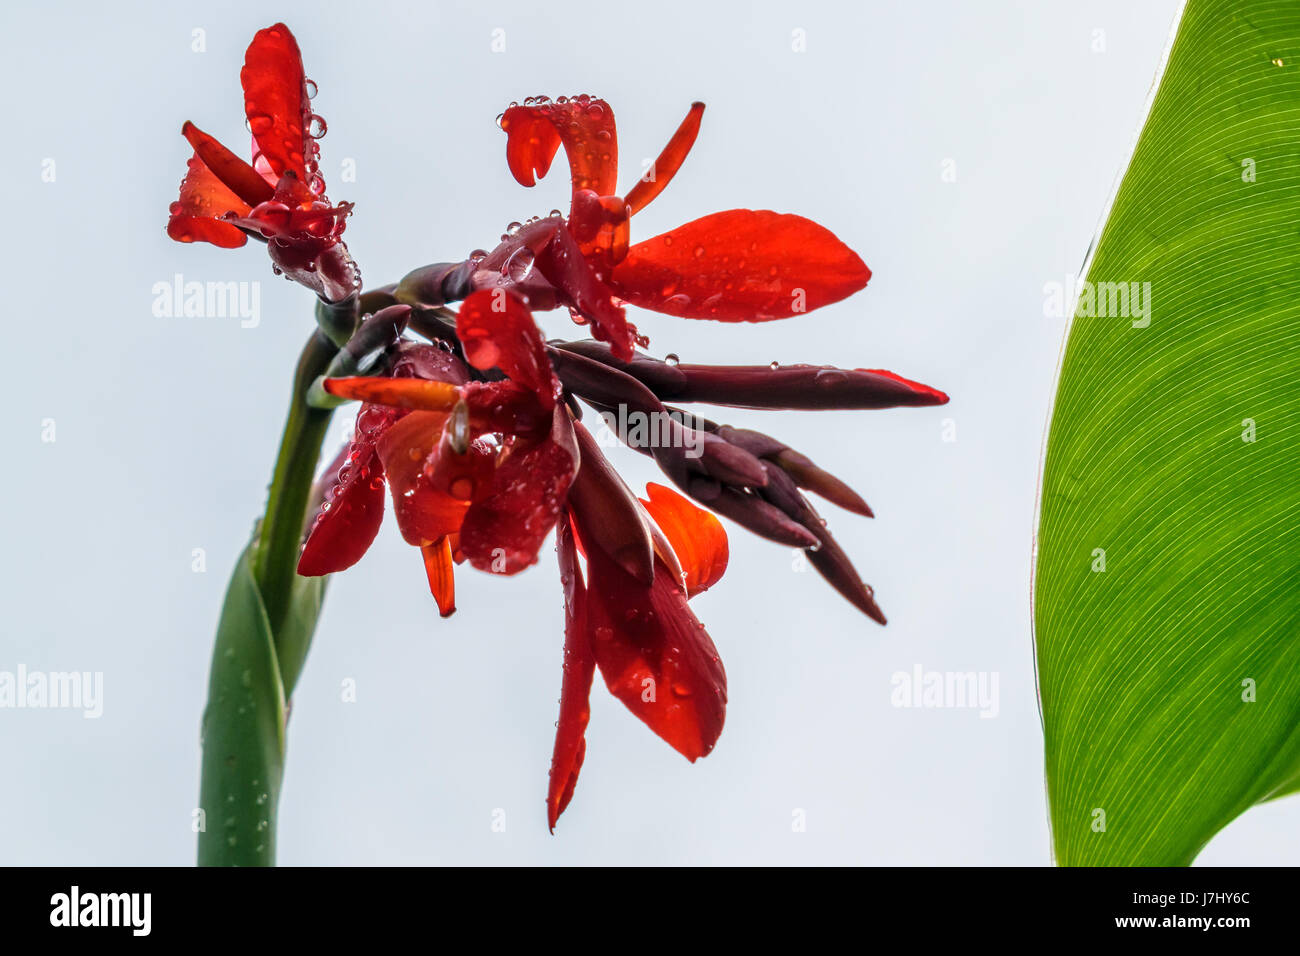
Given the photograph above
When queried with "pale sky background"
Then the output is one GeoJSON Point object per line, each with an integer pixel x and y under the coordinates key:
{"type": "Point", "coordinates": [166, 428]}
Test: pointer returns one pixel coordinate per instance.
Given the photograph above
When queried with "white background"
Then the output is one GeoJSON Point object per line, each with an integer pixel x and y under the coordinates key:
{"type": "Point", "coordinates": [167, 427]}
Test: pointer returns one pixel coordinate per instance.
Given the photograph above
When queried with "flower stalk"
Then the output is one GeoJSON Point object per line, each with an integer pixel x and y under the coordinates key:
{"type": "Point", "coordinates": [266, 626]}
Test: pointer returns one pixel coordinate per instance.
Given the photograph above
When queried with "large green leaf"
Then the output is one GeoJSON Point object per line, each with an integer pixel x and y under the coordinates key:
{"type": "Point", "coordinates": [243, 733]}
{"type": "Point", "coordinates": [1175, 449]}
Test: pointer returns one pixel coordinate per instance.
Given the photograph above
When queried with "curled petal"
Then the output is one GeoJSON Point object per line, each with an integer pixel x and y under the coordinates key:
{"type": "Point", "coordinates": [658, 176]}
{"type": "Point", "coordinates": [575, 687]}
{"type": "Point", "coordinates": [504, 528]}
{"type": "Point", "coordinates": [586, 128]}
{"type": "Point", "coordinates": [655, 656]}
{"type": "Point", "coordinates": [442, 575]}
{"type": "Point", "coordinates": [531, 144]}
{"type": "Point", "coordinates": [276, 103]}
{"type": "Point", "coordinates": [740, 266]}
{"type": "Point", "coordinates": [697, 537]}
{"type": "Point", "coordinates": [497, 330]}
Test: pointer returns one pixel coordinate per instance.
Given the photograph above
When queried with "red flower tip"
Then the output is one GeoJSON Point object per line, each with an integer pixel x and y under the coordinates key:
{"type": "Point", "coordinates": [924, 394]}
{"type": "Point", "coordinates": [441, 572]}
{"type": "Point", "coordinates": [654, 180]}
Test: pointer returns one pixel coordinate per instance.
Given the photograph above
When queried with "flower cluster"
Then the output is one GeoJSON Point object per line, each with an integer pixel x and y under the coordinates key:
{"type": "Point", "coordinates": [471, 421]}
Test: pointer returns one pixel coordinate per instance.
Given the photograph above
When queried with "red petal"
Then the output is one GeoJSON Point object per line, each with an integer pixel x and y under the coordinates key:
{"type": "Point", "coordinates": [697, 536]}
{"type": "Point", "coordinates": [562, 263]}
{"type": "Point", "coordinates": [276, 103]}
{"type": "Point", "coordinates": [531, 144]}
{"type": "Point", "coordinates": [655, 656]}
{"type": "Point", "coordinates": [204, 199]}
{"type": "Point", "coordinates": [237, 176]}
{"type": "Point", "coordinates": [354, 507]}
{"type": "Point", "coordinates": [424, 514]}
{"type": "Point", "coordinates": [740, 266]}
{"type": "Point", "coordinates": [497, 330]}
{"type": "Point", "coordinates": [575, 688]}
{"type": "Point", "coordinates": [504, 529]}
{"type": "Point", "coordinates": [442, 575]}
{"type": "Point", "coordinates": [586, 128]}
{"type": "Point", "coordinates": [666, 166]}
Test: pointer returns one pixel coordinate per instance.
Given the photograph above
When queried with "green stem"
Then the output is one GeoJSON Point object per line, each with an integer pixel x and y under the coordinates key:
{"type": "Point", "coordinates": [275, 559]}
{"type": "Point", "coordinates": [262, 639]}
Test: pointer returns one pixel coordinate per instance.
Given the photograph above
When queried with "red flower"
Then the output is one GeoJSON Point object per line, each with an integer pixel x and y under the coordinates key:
{"type": "Point", "coordinates": [477, 470]}
{"type": "Point", "coordinates": [279, 198]}
{"type": "Point", "coordinates": [738, 265]}
{"type": "Point", "coordinates": [652, 652]}
{"type": "Point", "coordinates": [479, 441]}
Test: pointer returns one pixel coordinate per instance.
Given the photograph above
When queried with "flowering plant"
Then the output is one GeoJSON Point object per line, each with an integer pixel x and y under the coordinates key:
{"type": "Point", "coordinates": [472, 422]}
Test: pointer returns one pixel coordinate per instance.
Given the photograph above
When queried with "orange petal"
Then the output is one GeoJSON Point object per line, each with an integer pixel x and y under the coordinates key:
{"type": "Point", "coordinates": [696, 535]}
{"type": "Point", "coordinates": [396, 392]}
{"type": "Point", "coordinates": [237, 176]}
{"type": "Point", "coordinates": [658, 176]}
{"type": "Point", "coordinates": [276, 102]}
{"type": "Point", "coordinates": [442, 575]}
{"type": "Point", "coordinates": [204, 199]}
{"type": "Point", "coordinates": [740, 266]}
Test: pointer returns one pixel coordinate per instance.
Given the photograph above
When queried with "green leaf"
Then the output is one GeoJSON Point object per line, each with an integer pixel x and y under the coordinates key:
{"type": "Point", "coordinates": [243, 733]}
{"type": "Point", "coordinates": [1170, 680]}
{"type": "Point", "coordinates": [294, 640]}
